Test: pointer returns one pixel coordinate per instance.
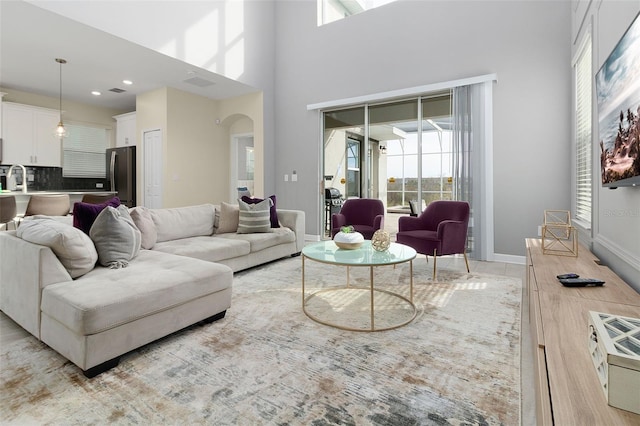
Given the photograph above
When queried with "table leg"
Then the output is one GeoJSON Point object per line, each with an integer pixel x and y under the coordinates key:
{"type": "Point", "coordinates": [411, 280]}
{"type": "Point", "coordinates": [373, 327]}
{"type": "Point", "coordinates": [302, 282]}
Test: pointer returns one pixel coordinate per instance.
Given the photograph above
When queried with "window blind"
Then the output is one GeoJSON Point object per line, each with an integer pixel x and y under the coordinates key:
{"type": "Point", "coordinates": [583, 94]}
{"type": "Point", "coordinates": [84, 151]}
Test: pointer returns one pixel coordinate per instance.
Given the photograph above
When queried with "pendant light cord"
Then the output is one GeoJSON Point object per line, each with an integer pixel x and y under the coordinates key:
{"type": "Point", "coordinates": [60, 93]}
{"type": "Point", "coordinates": [61, 62]}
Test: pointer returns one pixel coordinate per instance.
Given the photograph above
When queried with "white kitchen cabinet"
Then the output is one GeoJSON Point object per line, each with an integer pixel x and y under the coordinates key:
{"type": "Point", "coordinates": [126, 129]}
{"type": "Point", "coordinates": [28, 135]}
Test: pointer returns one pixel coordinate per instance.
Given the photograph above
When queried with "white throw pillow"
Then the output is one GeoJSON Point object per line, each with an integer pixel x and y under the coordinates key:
{"type": "Point", "coordinates": [254, 217]}
{"type": "Point", "coordinates": [144, 222]}
{"type": "Point", "coordinates": [116, 237]}
{"type": "Point", "coordinates": [74, 248]}
{"type": "Point", "coordinates": [229, 216]}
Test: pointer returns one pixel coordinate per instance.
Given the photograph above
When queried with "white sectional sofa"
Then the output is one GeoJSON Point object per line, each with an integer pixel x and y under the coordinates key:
{"type": "Point", "coordinates": [184, 278]}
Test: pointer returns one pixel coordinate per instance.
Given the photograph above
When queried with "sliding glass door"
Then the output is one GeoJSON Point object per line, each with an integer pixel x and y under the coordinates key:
{"type": "Point", "coordinates": [399, 152]}
{"type": "Point", "coordinates": [427, 146]}
{"type": "Point", "coordinates": [353, 185]}
{"type": "Point", "coordinates": [437, 151]}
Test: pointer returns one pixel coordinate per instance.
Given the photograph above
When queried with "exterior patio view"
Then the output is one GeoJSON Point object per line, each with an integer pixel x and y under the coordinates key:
{"type": "Point", "coordinates": [405, 160]}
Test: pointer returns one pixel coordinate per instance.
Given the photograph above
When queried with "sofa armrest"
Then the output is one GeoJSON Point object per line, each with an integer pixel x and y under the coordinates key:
{"type": "Point", "coordinates": [452, 234]}
{"type": "Point", "coordinates": [294, 220]}
{"type": "Point", "coordinates": [25, 269]}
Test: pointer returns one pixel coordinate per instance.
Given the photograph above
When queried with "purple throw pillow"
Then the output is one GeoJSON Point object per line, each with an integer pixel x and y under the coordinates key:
{"type": "Point", "coordinates": [273, 215]}
{"type": "Point", "coordinates": [84, 214]}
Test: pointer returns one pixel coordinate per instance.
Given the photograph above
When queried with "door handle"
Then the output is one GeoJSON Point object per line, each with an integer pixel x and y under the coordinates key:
{"type": "Point", "coordinates": [112, 170]}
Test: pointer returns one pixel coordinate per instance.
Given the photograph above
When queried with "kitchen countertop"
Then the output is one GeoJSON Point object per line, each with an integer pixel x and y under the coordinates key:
{"type": "Point", "coordinates": [75, 195]}
{"type": "Point", "coordinates": [56, 192]}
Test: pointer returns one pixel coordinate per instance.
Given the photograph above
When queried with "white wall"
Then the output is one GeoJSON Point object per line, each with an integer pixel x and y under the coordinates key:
{"type": "Point", "coordinates": [615, 232]}
{"type": "Point", "coordinates": [410, 43]}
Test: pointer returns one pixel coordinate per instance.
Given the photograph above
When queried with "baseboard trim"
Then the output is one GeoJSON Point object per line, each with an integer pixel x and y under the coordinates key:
{"type": "Point", "coordinates": [616, 250]}
{"type": "Point", "coordinates": [509, 258]}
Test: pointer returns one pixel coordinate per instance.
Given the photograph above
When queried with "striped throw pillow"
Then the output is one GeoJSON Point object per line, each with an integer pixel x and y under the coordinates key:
{"type": "Point", "coordinates": [254, 217]}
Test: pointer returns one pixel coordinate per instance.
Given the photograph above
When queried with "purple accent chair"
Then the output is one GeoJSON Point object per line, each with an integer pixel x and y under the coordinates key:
{"type": "Point", "coordinates": [366, 215]}
{"type": "Point", "coordinates": [440, 230]}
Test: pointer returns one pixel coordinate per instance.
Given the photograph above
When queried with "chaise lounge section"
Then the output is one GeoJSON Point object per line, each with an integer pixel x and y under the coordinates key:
{"type": "Point", "coordinates": [185, 278]}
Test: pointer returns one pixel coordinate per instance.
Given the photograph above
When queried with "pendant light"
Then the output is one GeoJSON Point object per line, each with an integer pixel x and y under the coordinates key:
{"type": "Point", "coordinates": [61, 131]}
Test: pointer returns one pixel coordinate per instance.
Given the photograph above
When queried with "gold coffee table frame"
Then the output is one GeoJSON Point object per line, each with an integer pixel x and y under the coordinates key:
{"type": "Point", "coordinates": [365, 256]}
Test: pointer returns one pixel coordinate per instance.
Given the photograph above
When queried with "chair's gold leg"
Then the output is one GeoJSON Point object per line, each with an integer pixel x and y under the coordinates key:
{"type": "Point", "coordinates": [435, 259]}
{"type": "Point", "coordinates": [465, 259]}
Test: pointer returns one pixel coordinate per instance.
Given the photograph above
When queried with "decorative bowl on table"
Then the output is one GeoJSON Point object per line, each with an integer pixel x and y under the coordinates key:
{"type": "Point", "coordinates": [348, 239]}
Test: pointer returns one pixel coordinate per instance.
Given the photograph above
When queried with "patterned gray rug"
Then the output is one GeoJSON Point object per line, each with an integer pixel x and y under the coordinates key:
{"type": "Point", "coordinates": [456, 363]}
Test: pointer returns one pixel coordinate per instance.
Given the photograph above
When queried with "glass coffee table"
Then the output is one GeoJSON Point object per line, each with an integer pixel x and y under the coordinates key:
{"type": "Point", "coordinates": [359, 308]}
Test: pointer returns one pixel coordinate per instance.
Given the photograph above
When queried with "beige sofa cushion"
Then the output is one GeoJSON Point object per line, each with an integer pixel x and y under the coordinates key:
{"type": "Point", "coordinates": [183, 222]}
{"type": "Point", "coordinates": [72, 247]}
{"type": "Point", "coordinates": [153, 282]}
{"type": "Point", "coordinates": [261, 241]}
{"type": "Point", "coordinates": [211, 249]}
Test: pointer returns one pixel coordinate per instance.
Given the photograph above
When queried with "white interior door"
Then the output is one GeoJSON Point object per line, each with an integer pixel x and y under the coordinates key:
{"type": "Point", "coordinates": [152, 153]}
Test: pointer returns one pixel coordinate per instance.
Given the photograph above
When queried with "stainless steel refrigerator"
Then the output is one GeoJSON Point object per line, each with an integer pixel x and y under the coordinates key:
{"type": "Point", "coordinates": [121, 173]}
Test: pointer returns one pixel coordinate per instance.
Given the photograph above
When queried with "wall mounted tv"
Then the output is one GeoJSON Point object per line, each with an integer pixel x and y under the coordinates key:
{"type": "Point", "coordinates": [618, 97]}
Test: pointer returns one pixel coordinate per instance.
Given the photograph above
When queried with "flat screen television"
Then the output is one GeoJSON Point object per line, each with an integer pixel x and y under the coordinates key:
{"type": "Point", "coordinates": [618, 97]}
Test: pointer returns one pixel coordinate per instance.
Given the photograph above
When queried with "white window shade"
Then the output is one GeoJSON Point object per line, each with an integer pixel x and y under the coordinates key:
{"type": "Point", "coordinates": [583, 92]}
{"type": "Point", "coordinates": [84, 151]}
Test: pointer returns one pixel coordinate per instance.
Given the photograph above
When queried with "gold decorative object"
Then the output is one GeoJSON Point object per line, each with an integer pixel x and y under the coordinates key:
{"type": "Point", "coordinates": [380, 241]}
{"type": "Point", "coordinates": [558, 236]}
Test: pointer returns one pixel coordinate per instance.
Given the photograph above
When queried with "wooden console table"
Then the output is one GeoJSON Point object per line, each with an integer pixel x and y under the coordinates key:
{"type": "Point", "coordinates": [568, 391]}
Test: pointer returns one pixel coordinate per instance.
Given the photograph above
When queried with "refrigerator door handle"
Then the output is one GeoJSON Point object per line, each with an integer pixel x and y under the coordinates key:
{"type": "Point", "coordinates": [112, 170]}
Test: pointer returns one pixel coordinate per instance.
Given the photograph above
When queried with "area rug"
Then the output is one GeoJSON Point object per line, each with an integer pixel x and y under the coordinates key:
{"type": "Point", "coordinates": [267, 363]}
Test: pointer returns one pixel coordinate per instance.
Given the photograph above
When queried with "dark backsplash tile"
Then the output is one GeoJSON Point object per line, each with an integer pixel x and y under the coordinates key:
{"type": "Point", "coordinates": [50, 179]}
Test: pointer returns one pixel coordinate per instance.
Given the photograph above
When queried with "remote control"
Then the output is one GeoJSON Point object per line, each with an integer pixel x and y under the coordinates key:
{"type": "Point", "coordinates": [565, 276]}
{"type": "Point", "coordinates": [581, 282]}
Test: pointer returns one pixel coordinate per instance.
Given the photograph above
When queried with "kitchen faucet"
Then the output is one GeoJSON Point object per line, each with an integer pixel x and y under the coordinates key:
{"type": "Point", "coordinates": [24, 176]}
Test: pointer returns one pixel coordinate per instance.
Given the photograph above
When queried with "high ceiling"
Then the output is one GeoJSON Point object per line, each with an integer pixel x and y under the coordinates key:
{"type": "Point", "coordinates": [32, 38]}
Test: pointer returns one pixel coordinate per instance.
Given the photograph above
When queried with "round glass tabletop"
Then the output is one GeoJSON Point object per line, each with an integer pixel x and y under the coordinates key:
{"type": "Point", "coordinates": [365, 255]}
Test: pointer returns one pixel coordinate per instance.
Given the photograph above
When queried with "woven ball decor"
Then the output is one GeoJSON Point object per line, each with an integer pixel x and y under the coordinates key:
{"type": "Point", "coordinates": [380, 240]}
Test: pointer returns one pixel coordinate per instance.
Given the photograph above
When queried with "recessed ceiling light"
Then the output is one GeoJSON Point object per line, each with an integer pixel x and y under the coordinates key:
{"type": "Point", "coordinates": [127, 81]}
{"type": "Point", "coordinates": [96, 93]}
